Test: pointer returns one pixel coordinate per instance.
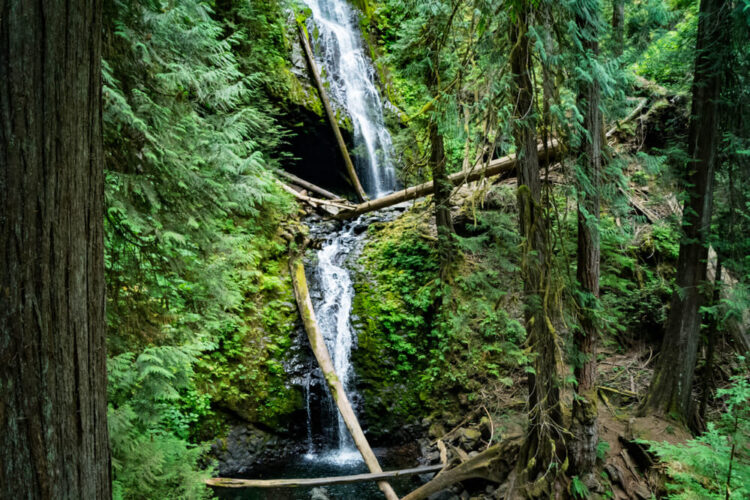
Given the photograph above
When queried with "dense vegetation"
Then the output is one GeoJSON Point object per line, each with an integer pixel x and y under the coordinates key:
{"type": "Point", "coordinates": [632, 242]}
{"type": "Point", "coordinates": [196, 267]}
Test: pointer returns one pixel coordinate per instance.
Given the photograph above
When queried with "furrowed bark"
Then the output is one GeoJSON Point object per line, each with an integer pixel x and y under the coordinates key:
{"type": "Point", "coordinates": [671, 385]}
{"type": "Point", "coordinates": [618, 26]}
{"type": "Point", "coordinates": [584, 428]}
{"type": "Point", "coordinates": [299, 281]}
{"type": "Point", "coordinates": [53, 398]}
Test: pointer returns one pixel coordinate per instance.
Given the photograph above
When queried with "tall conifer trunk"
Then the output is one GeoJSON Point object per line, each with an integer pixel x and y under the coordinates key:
{"type": "Point", "coordinates": [584, 419]}
{"type": "Point", "coordinates": [53, 401]}
{"type": "Point", "coordinates": [618, 26]}
{"type": "Point", "coordinates": [671, 385]}
{"type": "Point", "coordinates": [539, 448]}
{"type": "Point", "coordinates": [441, 184]}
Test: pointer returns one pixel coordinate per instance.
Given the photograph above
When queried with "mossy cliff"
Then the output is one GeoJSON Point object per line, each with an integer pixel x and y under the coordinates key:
{"type": "Point", "coordinates": [426, 349]}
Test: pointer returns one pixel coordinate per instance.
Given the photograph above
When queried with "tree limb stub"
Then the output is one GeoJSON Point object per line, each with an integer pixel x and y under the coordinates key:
{"type": "Point", "coordinates": [302, 295]}
{"type": "Point", "coordinates": [318, 481]}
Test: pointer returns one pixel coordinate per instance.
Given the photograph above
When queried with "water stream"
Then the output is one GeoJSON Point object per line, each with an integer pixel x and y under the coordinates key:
{"type": "Point", "coordinates": [340, 51]}
{"type": "Point", "coordinates": [332, 309]}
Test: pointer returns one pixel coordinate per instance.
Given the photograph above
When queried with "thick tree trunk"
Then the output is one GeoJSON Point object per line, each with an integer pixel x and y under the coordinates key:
{"type": "Point", "coordinates": [441, 184]}
{"type": "Point", "coordinates": [670, 389]}
{"type": "Point", "coordinates": [441, 197]}
{"type": "Point", "coordinates": [53, 400]}
{"type": "Point", "coordinates": [584, 419]}
{"type": "Point", "coordinates": [708, 377]}
{"type": "Point", "coordinates": [618, 27]}
{"type": "Point", "coordinates": [538, 451]}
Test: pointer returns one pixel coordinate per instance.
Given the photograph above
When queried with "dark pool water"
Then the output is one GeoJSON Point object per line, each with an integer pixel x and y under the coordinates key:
{"type": "Point", "coordinates": [321, 466]}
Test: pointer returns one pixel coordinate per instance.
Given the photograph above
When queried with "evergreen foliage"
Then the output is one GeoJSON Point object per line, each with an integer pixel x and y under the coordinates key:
{"type": "Point", "coordinates": [716, 464]}
{"type": "Point", "coordinates": [192, 211]}
{"type": "Point", "coordinates": [200, 311]}
{"type": "Point", "coordinates": [153, 402]}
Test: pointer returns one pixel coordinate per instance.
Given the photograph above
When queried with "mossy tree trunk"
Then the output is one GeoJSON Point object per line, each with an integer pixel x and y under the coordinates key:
{"type": "Point", "coordinates": [539, 449]}
{"type": "Point", "coordinates": [441, 184]}
{"type": "Point", "coordinates": [53, 378]}
{"type": "Point", "coordinates": [582, 448]}
{"type": "Point", "coordinates": [671, 385]}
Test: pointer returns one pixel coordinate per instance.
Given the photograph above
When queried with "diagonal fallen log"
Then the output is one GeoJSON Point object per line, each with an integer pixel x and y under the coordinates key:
{"type": "Point", "coordinates": [225, 482]}
{"type": "Point", "coordinates": [330, 207]}
{"type": "Point", "coordinates": [329, 112]}
{"type": "Point", "coordinates": [493, 464]}
{"type": "Point", "coordinates": [308, 185]}
{"type": "Point", "coordinates": [301, 293]}
{"type": "Point", "coordinates": [495, 167]}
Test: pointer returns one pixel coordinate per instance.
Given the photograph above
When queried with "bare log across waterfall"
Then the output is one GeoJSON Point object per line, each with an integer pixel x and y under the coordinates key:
{"type": "Point", "coordinates": [224, 482]}
{"type": "Point", "coordinates": [301, 293]}
{"type": "Point", "coordinates": [329, 112]}
{"type": "Point", "coordinates": [495, 167]}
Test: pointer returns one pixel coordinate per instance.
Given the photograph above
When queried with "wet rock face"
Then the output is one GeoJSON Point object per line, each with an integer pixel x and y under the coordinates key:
{"type": "Point", "coordinates": [247, 446]}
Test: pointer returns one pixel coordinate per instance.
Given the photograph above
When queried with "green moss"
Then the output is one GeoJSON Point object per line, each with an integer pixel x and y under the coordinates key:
{"type": "Point", "coordinates": [244, 371]}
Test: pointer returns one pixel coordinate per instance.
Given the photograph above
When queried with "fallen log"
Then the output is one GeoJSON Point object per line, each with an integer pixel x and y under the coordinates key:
{"type": "Point", "coordinates": [495, 167]}
{"type": "Point", "coordinates": [302, 295]}
{"type": "Point", "coordinates": [329, 112]}
{"type": "Point", "coordinates": [225, 482]}
{"type": "Point", "coordinates": [308, 185]}
{"type": "Point", "coordinates": [493, 464]}
{"type": "Point", "coordinates": [330, 207]}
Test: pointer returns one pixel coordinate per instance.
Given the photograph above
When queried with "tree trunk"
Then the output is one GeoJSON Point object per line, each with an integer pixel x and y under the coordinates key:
{"type": "Point", "coordinates": [506, 164]}
{"type": "Point", "coordinates": [538, 451]}
{"type": "Point", "coordinates": [670, 389]}
{"type": "Point", "coordinates": [584, 418]}
{"type": "Point", "coordinates": [618, 27]}
{"type": "Point", "coordinates": [53, 400]}
{"type": "Point", "coordinates": [493, 464]}
{"type": "Point", "coordinates": [230, 482]}
{"type": "Point", "coordinates": [441, 197]}
{"type": "Point", "coordinates": [441, 184]}
{"type": "Point", "coordinates": [708, 377]}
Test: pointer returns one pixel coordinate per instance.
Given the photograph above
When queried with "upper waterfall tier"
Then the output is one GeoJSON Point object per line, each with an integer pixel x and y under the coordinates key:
{"type": "Point", "coordinates": [350, 74]}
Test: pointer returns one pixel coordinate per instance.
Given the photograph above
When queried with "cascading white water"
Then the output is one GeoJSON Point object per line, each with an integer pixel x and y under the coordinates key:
{"type": "Point", "coordinates": [333, 314]}
{"type": "Point", "coordinates": [340, 51]}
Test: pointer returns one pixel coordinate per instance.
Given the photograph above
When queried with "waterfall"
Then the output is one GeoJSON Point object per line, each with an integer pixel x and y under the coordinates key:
{"type": "Point", "coordinates": [333, 313]}
{"type": "Point", "coordinates": [340, 51]}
